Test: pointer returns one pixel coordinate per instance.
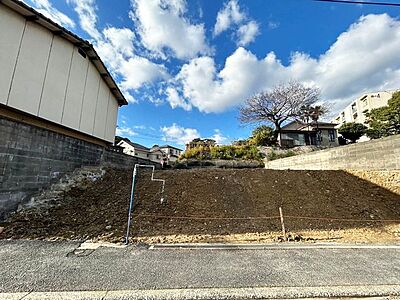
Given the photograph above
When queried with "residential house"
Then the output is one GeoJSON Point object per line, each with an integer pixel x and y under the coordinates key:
{"type": "Point", "coordinates": [155, 154]}
{"type": "Point", "coordinates": [298, 133]}
{"type": "Point", "coordinates": [200, 142]}
{"type": "Point", "coordinates": [134, 149]}
{"type": "Point", "coordinates": [167, 154]}
{"type": "Point", "coordinates": [171, 153]}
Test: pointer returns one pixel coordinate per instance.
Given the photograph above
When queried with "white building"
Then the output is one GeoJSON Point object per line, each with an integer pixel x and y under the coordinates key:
{"type": "Point", "coordinates": [141, 151]}
{"type": "Point", "coordinates": [355, 112]}
{"type": "Point", "coordinates": [135, 149]}
{"type": "Point", "coordinates": [168, 154]}
{"type": "Point", "coordinates": [172, 153]}
{"type": "Point", "coordinates": [157, 155]}
{"type": "Point", "coordinates": [53, 79]}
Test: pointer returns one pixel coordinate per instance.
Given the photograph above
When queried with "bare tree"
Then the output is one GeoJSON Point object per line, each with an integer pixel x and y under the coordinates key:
{"type": "Point", "coordinates": [282, 104]}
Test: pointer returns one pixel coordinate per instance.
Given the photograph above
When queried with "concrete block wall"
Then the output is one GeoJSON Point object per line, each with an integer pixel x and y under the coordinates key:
{"type": "Point", "coordinates": [32, 158]}
{"type": "Point", "coordinates": [124, 161]}
{"type": "Point", "coordinates": [380, 154]}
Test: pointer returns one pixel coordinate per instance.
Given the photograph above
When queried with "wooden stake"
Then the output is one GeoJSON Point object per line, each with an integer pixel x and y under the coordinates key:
{"type": "Point", "coordinates": [283, 224]}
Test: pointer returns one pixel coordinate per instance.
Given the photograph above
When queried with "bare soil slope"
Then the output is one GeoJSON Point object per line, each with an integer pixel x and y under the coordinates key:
{"type": "Point", "coordinates": [200, 203]}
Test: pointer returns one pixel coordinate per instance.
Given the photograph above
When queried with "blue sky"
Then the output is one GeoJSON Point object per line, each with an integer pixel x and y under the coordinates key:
{"type": "Point", "coordinates": [185, 66]}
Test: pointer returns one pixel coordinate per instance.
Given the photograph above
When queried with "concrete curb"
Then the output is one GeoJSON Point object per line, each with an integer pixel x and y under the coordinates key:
{"type": "Point", "coordinates": [392, 291]}
{"type": "Point", "coordinates": [275, 246]}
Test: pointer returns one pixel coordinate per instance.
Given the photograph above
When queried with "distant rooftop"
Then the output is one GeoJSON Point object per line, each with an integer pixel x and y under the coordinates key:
{"type": "Point", "coordinates": [135, 145]}
{"type": "Point", "coordinates": [169, 146]}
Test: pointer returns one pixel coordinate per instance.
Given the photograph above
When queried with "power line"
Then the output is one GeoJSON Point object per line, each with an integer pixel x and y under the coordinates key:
{"type": "Point", "coordinates": [147, 138]}
{"type": "Point", "coordinates": [360, 2]}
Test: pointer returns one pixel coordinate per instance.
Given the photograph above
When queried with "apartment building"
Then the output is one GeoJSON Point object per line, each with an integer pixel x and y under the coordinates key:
{"type": "Point", "coordinates": [356, 111]}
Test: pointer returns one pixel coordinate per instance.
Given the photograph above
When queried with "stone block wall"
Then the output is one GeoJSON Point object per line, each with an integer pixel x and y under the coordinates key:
{"type": "Point", "coordinates": [380, 154]}
{"type": "Point", "coordinates": [32, 158]}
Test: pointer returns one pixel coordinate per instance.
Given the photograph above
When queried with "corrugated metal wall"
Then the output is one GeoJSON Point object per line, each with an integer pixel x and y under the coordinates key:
{"type": "Point", "coordinates": [46, 76]}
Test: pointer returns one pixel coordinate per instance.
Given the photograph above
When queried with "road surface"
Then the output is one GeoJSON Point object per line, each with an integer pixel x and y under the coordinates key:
{"type": "Point", "coordinates": [31, 267]}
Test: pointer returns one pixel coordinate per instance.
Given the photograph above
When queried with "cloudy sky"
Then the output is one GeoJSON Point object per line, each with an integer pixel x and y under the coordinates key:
{"type": "Point", "coordinates": [185, 66]}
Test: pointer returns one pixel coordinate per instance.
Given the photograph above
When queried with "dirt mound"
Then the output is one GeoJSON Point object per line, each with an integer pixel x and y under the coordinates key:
{"type": "Point", "coordinates": [215, 205]}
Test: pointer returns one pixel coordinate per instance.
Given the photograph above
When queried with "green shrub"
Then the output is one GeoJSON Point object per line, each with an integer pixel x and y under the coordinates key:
{"type": "Point", "coordinates": [246, 152]}
{"type": "Point", "coordinates": [199, 153]}
{"type": "Point", "coordinates": [274, 155]}
{"type": "Point", "coordinates": [236, 152]}
{"type": "Point", "coordinates": [263, 136]}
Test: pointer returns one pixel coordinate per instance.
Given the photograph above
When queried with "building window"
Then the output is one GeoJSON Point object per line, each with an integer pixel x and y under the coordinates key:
{"type": "Point", "coordinates": [354, 108]}
{"type": "Point", "coordinates": [364, 102]}
{"type": "Point", "coordinates": [331, 134]}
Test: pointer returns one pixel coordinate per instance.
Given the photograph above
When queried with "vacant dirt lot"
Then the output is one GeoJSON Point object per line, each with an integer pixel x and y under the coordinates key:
{"type": "Point", "coordinates": [205, 205]}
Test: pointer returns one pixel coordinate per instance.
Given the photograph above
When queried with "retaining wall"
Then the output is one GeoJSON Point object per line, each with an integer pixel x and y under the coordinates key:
{"type": "Point", "coordinates": [32, 158]}
{"type": "Point", "coordinates": [381, 154]}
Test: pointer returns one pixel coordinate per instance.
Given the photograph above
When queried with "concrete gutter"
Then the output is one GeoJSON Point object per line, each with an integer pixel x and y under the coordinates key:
{"type": "Point", "coordinates": [217, 293]}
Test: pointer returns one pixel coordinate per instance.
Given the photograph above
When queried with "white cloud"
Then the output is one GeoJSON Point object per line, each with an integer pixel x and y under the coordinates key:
{"type": "Point", "coordinates": [175, 100]}
{"type": "Point", "coordinates": [128, 96]}
{"type": "Point", "coordinates": [247, 33]}
{"type": "Point", "coordinates": [163, 27]}
{"type": "Point", "coordinates": [210, 91]}
{"type": "Point", "coordinates": [273, 25]}
{"type": "Point", "coordinates": [48, 10]}
{"type": "Point", "coordinates": [125, 131]}
{"type": "Point", "coordinates": [230, 14]}
{"type": "Point", "coordinates": [157, 101]}
{"type": "Point", "coordinates": [86, 10]}
{"type": "Point", "coordinates": [364, 58]}
{"type": "Point", "coordinates": [178, 134]}
{"type": "Point", "coordinates": [116, 48]}
{"type": "Point", "coordinates": [138, 71]}
{"type": "Point", "coordinates": [121, 39]}
{"type": "Point", "coordinates": [219, 138]}
{"type": "Point", "coordinates": [182, 135]}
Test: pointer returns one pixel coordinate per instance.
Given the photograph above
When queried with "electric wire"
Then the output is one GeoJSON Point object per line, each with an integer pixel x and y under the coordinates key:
{"type": "Point", "coordinates": [360, 2]}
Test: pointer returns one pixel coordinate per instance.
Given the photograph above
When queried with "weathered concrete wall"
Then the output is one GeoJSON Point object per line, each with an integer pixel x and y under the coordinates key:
{"type": "Point", "coordinates": [218, 163]}
{"type": "Point", "coordinates": [381, 154]}
{"type": "Point", "coordinates": [32, 158]}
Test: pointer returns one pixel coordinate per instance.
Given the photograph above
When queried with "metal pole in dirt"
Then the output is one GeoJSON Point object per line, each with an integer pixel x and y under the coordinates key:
{"type": "Point", "coordinates": [131, 204]}
{"type": "Point", "coordinates": [283, 224]}
{"type": "Point", "coordinates": [135, 172]}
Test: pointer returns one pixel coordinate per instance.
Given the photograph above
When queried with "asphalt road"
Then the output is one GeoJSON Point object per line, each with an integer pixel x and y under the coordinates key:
{"type": "Point", "coordinates": [39, 266]}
